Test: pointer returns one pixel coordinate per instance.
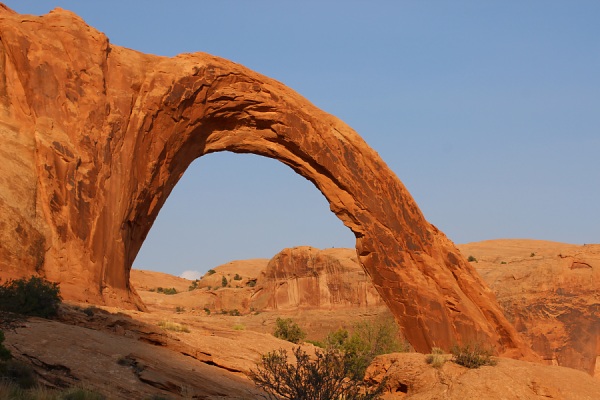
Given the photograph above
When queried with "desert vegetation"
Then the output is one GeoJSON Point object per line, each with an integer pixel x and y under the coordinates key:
{"type": "Point", "coordinates": [325, 376]}
{"type": "Point", "coordinates": [366, 341]}
{"type": "Point", "coordinates": [173, 326]}
{"type": "Point", "coordinates": [436, 358]}
{"type": "Point", "coordinates": [472, 355]}
{"type": "Point", "coordinates": [287, 329]}
{"type": "Point", "coordinates": [32, 296]}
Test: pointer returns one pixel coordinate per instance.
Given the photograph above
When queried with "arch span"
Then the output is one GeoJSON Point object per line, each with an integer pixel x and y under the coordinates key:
{"type": "Point", "coordinates": [105, 133]}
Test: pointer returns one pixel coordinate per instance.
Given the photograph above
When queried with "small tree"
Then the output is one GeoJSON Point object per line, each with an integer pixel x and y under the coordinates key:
{"type": "Point", "coordinates": [237, 277]}
{"type": "Point", "coordinates": [324, 377]}
{"type": "Point", "coordinates": [287, 329]}
{"type": "Point", "coordinates": [224, 281]}
{"type": "Point", "coordinates": [34, 296]}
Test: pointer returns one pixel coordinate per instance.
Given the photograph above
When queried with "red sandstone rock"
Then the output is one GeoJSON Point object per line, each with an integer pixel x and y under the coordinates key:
{"type": "Point", "coordinates": [305, 277]}
{"type": "Point", "coordinates": [550, 292]}
{"type": "Point", "coordinates": [410, 377]}
{"type": "Point", "coordinates": [95, 136]}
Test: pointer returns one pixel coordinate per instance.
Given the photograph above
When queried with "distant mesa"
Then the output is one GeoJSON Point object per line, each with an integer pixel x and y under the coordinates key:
{"type": "Point", "coordinates": [95, 137]}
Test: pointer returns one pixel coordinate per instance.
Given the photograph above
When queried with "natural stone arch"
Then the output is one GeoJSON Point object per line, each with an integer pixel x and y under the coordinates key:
{"type": "Point", "coordinates": [108, 132]}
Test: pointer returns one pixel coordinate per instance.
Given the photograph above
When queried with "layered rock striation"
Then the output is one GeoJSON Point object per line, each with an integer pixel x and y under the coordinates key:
{"type": "Point", "coordinates": [305, 277]}
{"type": "Point", "coordinates": [95, 137]}
{"type": "Point", "coordinates": [549, 291]}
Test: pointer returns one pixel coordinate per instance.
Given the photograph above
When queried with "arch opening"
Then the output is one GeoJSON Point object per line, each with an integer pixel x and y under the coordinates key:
{"type": "Point", "coordinates": [229, 207]}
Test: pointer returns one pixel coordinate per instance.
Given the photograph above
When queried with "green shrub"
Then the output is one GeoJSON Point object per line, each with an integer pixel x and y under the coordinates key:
{"type": "Point", "coordinates": [4, 352]}
{"type": "Point", "coordinates": [223, 281]}
{"type": "Point", "coordinates": [471, 259]}
{"type": "Point", "coordinates": [33, 296]}
{"type": "Point", "coordinates": [193, 286]}
{"type": "Point", "coordinates": [207, 310]}
{"type": "Point", "coordinates": [324, 376]}
{"type": "Point", "coordinates": [237, 277]}
{"type": "Point", "coordinates": [234, 312]}
{"type": "Point", "coordinates": [166, 290]}
{"type": "Point", "coordinates": [251, 283]}
{"type": "Point", "coordinates": [210, 272]}
{"type": "Point", "coordinates": [287, 329]}
{"type": "Point", "coordinates": [367, 340]}
{"type": "Point", "coordinates": [472, 356]}
{"type": "Point", "coordinates": [179, 309]}
{"type": "Point", "coordinates": [239, 327]}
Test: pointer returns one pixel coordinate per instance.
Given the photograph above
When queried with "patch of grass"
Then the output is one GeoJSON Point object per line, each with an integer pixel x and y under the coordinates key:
{"type": "Point", "coordinates": [80, 394]}
{"type": "Point", "coordinates": [19, 373]}
{"type": "Point", "coordinates": [239, 327]}
{"type": "Point", "coordinates": [472, 356]}
{"type": "Point", "coordinates": [437, 358]}
{"type": "Point", "coordinates": [174, 326]}
{"type": "Point", "coordinates": [10, 390]}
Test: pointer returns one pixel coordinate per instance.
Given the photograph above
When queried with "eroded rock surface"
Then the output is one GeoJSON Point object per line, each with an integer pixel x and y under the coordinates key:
{"type": "Point", "coordinates": [95, 136]}
{"type": "Point", "coordinates": [305, 277]}
{"type": "Point", "coordinates": [550, 292]}
{"type": "Point", "coordinates": [410, 377]}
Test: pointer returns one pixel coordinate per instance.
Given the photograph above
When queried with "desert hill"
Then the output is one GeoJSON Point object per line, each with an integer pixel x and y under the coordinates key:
{"type": "Point", "coordinates": [548, 290]}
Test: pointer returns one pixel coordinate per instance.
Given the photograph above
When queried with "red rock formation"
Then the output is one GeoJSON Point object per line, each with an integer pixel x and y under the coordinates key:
{"type": "Point", "coordinates": [550, 292]}
{"type": "Point", "coordinates": [410, 377]}
{"type": "Point", "coordinates": [95, 137]}
{"type": "Point", "coordinates": [305, 277]}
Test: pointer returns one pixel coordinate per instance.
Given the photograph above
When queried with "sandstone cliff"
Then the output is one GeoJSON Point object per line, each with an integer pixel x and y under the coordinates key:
{"type": "Point", "coordinates": [305, 277]}
{"type": "Point", "coordinates": [550, 292]}
{"type": "Point", "coordinates": [95, 136]}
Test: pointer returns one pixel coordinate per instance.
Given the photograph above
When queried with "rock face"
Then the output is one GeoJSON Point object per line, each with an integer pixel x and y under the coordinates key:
{"type": "Point", "coordinates": [305, 277]}
{"type": "Point", "coordinates": [550, 292]}
{"type": "Point", "coordinates": [95, 136]}
{"type": "Point", "coordinates": [410, 377]}
{"type": "Point", "coordinates": [138, 361]}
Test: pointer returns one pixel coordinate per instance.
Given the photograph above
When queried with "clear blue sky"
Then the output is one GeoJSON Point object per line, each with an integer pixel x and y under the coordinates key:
{"type": "Point", "coordinates": [488, 111]}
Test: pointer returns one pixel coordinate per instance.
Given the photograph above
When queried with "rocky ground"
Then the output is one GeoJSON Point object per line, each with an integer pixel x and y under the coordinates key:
{"type": "Point", "coordinates": [193, 344]}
